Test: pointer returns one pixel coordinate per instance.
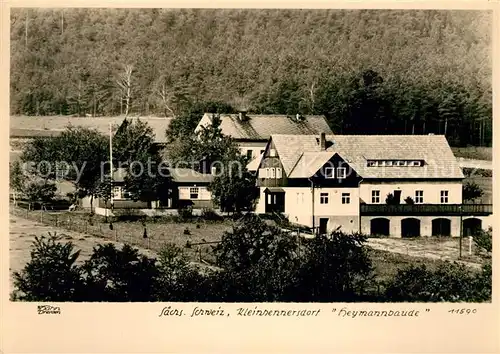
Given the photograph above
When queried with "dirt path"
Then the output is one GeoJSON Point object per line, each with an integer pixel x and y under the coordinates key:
{"type": "Point", "coordinates": [426, 248]}
{"type": "Point", "coordinates": [471, 163]}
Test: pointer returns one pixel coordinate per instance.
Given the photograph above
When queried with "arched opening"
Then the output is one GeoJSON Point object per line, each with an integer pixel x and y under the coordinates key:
{"type": "Point", "coordinates": [410, 227]}
{"type": "Point", "coordinates": [472, 226]}
{"type": "Point", "coordinates": [441, 227]}
{"type": "Point", "coordinates": [379, 226]}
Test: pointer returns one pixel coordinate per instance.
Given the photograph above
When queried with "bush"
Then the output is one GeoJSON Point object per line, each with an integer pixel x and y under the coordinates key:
{"type": "Point", "coordinates": [51, 274]}
{"type": "Point", "coordinates": [471, 191]}
{"type": "Point", "coordinates": [120, 275]}
{"type": "Point", "coordinates": [451, 282]}
{"type": "Point", "coordinates": [484, 241]}
{"type": "Point", "coordinates": [210, 215]}
{"type": "Point", "coordinates": [185, 213]}
{"type": "Point", "coordinates": [336, 267]}
{"type": "Point", "coordinates": [177, 280]}
{"type": "Point", "coordinates": [391, 199]}
{"type": "Point", "coordinates": [409, 200]}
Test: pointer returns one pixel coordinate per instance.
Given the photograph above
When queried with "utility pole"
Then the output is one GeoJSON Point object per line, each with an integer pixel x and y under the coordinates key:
{"type": "Point", "coordinates": [111, 163]}
{"type": "Point", "coordinates": [461, 231]}
{"type": "Point", "coordinates": [26, 29]}
{"type": "Point", "coordinates": [62, 22]}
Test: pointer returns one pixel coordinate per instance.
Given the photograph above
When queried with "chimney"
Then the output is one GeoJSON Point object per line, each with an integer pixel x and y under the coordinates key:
{"type": "Point", "coordinates": [322, 141]}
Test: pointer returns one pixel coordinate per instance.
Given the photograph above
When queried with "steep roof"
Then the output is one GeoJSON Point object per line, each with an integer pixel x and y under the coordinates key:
{"type": "Point", "coordinates": [262, 126]}
{"type": "Point", "coordinates": [27, 127]}
{"type": "Point", "coordinates": [301, 156]}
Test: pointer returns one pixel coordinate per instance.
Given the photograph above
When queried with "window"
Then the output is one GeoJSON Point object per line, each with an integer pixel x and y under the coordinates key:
{"type": "Point", "coordinates": [323, 198]}
{"type": "Point", "coordinates": [249, 154]}
{"type": "Point", "coordinates": [444, 197]}
{"type": "Point", "coordinates": [389, 163]}
{"type": "Point", "coordinates": [117, 192]}
{"type": "Point", "coordinates": [268, 173]}
{"type": "Point", "coordinates": [341, 172]}
{"type": "Point", "coordinates": [329, 172]}
{"type": "Point", "coordinates": [346, 198]}
{"type": "Point", "coordinates": [419, 197]}
{"type": "Point", "coordinates": [194, 192]}
{"type": "Point", "coordinates": [273, 173]}
{"type": "Point", "coordinates": [371, 163]}
{"type": "Point", "coordinates": [375, 197]}
{"type": "Point", "coordinates": [279, 173]}
{"type": "Point", "coordinates": [415, 163]}
{"type": "Point", "coordinates": [272, 152]}
{"type": "Point", "coordinates": [300, 198]}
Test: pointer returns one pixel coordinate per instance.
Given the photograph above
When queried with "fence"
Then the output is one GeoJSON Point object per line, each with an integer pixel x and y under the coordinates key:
{"type": "Point", "coordinates": [131, 233]}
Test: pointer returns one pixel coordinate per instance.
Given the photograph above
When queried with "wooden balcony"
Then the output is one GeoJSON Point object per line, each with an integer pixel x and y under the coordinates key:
{"type": "Point", "coordinates": [427, 209]}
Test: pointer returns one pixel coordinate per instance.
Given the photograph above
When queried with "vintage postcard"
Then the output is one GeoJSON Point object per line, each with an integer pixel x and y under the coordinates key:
{"type": "Point", "coordinates": [249, 178]}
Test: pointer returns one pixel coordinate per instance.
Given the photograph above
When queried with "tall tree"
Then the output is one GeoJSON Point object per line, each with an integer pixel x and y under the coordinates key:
{"type": "Point", "coordinates": [135, 150]}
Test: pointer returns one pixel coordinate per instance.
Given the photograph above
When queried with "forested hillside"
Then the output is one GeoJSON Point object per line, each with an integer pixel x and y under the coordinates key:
{"type": "Point", "coordinates": [368, 71]}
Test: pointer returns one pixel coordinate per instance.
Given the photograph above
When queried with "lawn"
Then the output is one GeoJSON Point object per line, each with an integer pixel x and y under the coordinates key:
{"type": "Point", "coordinates": [387, 263]}
{"type": "Point", "coordinates": [158, 232]}
{"type": "Point", "coordinates": [474, 152]}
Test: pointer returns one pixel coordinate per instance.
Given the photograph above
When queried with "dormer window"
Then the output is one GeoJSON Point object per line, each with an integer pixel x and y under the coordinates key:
{"type": "Point", "coordinates": [391, 163]}
{"type": "Point", "coordinates": [341, 172]}
{"type": "Point", "coordinates": [272, 152]}
{"type": "Point", "coordinates": [329, 172]}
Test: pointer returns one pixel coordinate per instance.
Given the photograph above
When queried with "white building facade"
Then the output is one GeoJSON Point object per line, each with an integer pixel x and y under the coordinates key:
{"type": "Point", "coordinates": [402, 186]}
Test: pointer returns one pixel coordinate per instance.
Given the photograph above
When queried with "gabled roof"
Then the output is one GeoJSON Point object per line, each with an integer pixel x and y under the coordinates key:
{"type": "Point", "coordinates": [262, 126]}
{"type": "Point", "coordinates": [27, 127]}
{"type": "Point", "coordinates": [187, 175]}
{"type": "Point", "coordinates": [301, 157]}
{"type": "Point", "coordinates": [254, 164]}
{"type": "Point", "coordinates": [181, 175]}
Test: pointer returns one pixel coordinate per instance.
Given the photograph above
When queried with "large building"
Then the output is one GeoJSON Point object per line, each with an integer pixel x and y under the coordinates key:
{"type": "Point", "coordinates": [398, 185]}
{"type": "Point", "coordinates": [252, 131]}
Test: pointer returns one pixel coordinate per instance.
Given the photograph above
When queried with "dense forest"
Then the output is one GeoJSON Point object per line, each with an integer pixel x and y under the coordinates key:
{"type": "Point", "coordinates": [368, 71]}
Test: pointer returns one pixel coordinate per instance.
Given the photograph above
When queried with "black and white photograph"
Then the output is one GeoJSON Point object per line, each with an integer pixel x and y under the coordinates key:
{"type": "Point", "coordinates": [184, 155]}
